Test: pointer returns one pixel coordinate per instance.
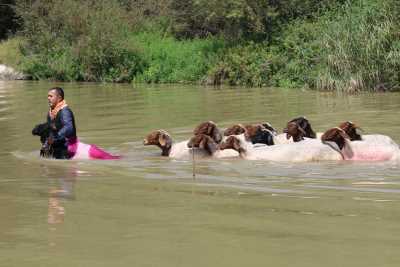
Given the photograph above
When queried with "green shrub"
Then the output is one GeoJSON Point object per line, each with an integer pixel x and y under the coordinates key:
{"type": "Point", "coordinates": [10, 53]}
{"type": "Point", "coordinates": [169, 60]}
{"type": "Point", "coordinates": [248, 65]}
{"type": "Point", "coordinates": [78, 40]}
{"type": "Point", "coordinates": [360, 48]}
{"type": "Point", "coordinates": [355, 47]}
{"type": "Point", "coordinates": [298, 54]}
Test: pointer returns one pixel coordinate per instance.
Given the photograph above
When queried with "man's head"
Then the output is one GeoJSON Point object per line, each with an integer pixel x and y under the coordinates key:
{"type": "Point", "coordinates": [55, 96]}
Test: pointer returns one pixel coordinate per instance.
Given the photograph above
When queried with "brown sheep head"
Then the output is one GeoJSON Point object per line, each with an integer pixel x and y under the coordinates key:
{"type": "Point", "coordinates": [203, 141]}
{"type": "Point", "coordinates": [269, 127]}
{"type": "Point", "coordinates": [255, 133]}
{"type": "Point", "coordinates": [336, 135]}
{"type": "Point", "coordinates": [209, 128]}
{"type": "Point", "coordinates": [305, 125]}
{"type": "Point", "coordinates": [351, 130]}
{"type": "Point", "coordinates": [295, 131]}
{"type": "Point", "coordinates": [160, 138]}
{"type": "Point", "coordinates": [232, 142]}
{"type": "Point", "coordinates": [235, 130]}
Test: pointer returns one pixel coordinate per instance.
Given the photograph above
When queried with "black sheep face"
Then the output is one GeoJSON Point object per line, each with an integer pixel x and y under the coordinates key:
{"type": "Point", "coordinates": [43, 130]}
{"type": "Point", "coordinates": [269, 127]}
{"type": "Point", "coordinates": [263, 136]}
{"type": "Point", "coordinates": [305, 125]}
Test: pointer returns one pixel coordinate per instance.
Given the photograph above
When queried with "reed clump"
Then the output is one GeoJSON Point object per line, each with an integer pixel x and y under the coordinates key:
{"type": "Point", "coordinates": [355, 47]}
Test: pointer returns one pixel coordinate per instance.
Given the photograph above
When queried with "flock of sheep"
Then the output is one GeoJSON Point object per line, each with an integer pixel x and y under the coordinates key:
{"type": "Point", "coordinates": [297, 143]}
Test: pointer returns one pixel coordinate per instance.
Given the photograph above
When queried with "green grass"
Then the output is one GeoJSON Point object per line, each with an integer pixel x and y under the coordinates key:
{"type": "Point", "coordinates": [171, 61]}
{"type": "Point", "coordinates": [353, 48]}
{"type": "Point", "coordinates": [10, 54]}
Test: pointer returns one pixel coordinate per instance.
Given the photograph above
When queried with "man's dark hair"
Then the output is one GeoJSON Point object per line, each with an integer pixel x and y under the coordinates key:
{"type": "Point", "coordinates": [59, 91]}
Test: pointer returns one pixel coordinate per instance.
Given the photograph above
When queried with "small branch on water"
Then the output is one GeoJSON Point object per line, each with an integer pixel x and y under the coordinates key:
{"type": "Point", "coordinates": [194, 165]}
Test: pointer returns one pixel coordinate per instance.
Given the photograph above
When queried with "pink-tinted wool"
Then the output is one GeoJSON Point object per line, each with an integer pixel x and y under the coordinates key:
{"type": "Point", "coordinates": [94, 152]}
{"type": "Point", "coordinates": [97, 153]}
{"type": "Point", "coordinates": [371, 156]}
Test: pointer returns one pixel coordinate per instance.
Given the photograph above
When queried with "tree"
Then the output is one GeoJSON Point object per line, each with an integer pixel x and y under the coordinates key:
{"type": "Point", "coordinates": [8, 20]}
{"type": "Point", "coordinates": [237, 19]}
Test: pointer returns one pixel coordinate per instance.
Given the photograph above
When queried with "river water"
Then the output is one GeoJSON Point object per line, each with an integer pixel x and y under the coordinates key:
{"type": "Point", "coordinates": [147, 210]}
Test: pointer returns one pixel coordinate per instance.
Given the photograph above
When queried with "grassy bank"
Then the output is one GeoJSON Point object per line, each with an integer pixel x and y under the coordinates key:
{"type": "Point", "coordinates": [168, 60]}
{"type": "Point", "coordinates": [349, 46]}
{"type": "Point", "coordinates": [10, 54]}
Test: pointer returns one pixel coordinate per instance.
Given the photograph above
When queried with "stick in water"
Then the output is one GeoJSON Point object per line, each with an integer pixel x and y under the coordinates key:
{"type": "Point", "coordinates": [193, 163]}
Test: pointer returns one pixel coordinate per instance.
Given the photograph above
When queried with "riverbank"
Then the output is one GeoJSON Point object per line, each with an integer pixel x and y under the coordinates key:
{"type": "Point", "coordinates": [10, 60]}
{"type": "Point", "coordinates": [9, 73]}
{"type": "Point", "coordinates": [321, 47]}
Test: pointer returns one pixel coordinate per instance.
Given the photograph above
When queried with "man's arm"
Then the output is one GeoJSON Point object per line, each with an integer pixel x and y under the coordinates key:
{"type": "Point", "coordinates": [67, 130]}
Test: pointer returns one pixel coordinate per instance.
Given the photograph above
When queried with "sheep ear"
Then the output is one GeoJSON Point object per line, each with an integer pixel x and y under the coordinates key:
{"type": "Point", "coordinates": [164, 139]}
{"type": "Point", "coordinates": [329, 134]}
{"type": "Point", "coordinates": [347, 150]}
{"type": "Point", "coordinates": [236, 144]}
{"type": "Point", "coordinates": [287, 134]}
{"type": "Point", "coordinates": [216, 134]}
{"type": "Point", "coordinates": [201, 128]}
{"type": "Point", "coordinates": [332, 133]}
{"type": "Point", "coordinates": [310, 132]}
{"type": "Point", "coordinates": [301, 130]}
{"type": "Point", "coordinates": [203, 142]}
{"type": "Point", "coordinates": [210, 128]}
{"type": "Point", "coordinates": [344, 135]}
{"type": "Point", "coordinates": [161, 140]}
{"type": "Point", "coordinates": [208, 144]}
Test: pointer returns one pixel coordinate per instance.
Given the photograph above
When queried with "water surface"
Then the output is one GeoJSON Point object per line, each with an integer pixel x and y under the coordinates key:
{"type": "Point", "coordinates": [147, 210]}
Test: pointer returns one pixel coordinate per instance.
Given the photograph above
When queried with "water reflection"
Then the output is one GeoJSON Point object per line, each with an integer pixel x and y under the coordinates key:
{"type": "Point", "coordinates": [56, 209]}
{"type": "Point", "coordinates": [61, 189]}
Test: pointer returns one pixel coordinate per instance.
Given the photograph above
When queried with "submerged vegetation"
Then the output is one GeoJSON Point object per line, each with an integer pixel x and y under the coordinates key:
{"type": "Point", "coordinates": [347, 45]}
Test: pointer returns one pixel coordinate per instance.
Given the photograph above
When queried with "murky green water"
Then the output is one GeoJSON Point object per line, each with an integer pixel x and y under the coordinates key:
{"type": "Point", "coordinates": [146, 210]}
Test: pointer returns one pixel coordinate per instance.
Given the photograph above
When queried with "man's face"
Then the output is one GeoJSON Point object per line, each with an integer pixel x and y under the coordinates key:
{"type": "Point", "coordinates": [53, 98]}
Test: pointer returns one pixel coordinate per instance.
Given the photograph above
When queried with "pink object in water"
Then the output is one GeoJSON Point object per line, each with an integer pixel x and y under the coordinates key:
{"type": "Point", "coordinates": [72, 146]}
{"type": "Point", "coordinates": [79, 150]}
{"type": "Point", "coordinates": [97, 153]}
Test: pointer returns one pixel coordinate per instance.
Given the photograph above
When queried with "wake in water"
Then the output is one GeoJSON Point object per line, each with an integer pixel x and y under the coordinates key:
{"type": "Point", "coordinates": [261, 176]}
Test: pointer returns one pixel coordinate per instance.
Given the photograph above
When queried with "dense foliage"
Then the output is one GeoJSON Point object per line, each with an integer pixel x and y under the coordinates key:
{"type": "Point", "coordinates": [324, 44]}
{"type": "Point", "coordinates": [8, 19]}
{"type": "Point", "coordinates": [241, 19]}
{"type": "Point", "coordinates": [354, 48]}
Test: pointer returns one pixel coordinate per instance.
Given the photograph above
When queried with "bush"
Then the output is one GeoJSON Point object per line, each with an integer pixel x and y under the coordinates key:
{"type": "Point", "coordinates": [248, 65]}
{"type": "Point", "coordinates": [10, 53]}
{"type": "Point", "coordinates": [240, 19]}
{"type": "Point", "coordinates": [298, 55]}
{"type": "Point", "coordinates": [169, 60]}
{"type": "Point", "coordinates": [360, 48]}
{"type": "Point", "coordinates": [353, 48]}
{"type": "Point", "coordinates": [78, 40]}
